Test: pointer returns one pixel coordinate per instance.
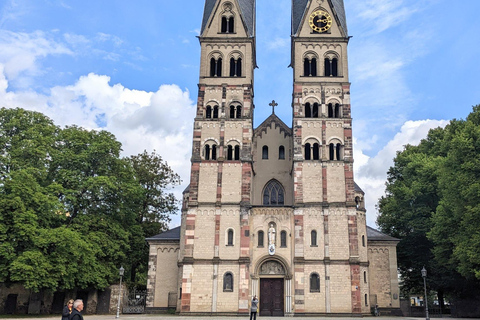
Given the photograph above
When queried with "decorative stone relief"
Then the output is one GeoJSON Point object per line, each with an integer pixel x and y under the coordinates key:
{"type": "Point", "coordinates": [272, 268]}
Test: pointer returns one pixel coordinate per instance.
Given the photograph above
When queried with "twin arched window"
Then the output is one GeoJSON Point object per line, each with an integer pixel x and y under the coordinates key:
{"type": "Point", "coordinates": [336, 152]}
{"type": "Point", "coordinates": [311, 110]}
{"type": "Point", "coordinates": [215, 67]}
{"type": "Point", "coordinates": [312, 151]}
{"type": "Point", "coordinates": [235, 111]}
{"type": "Point", "coordinates": [331, 67]}
{"type": "Point", "coordinates": [228, 24]}
{"type": "Point", "coordinates": [310, 67]}
{"type": "Point", "coordinates": [334, 110]}
{"type": "Point", "coordinates": [235, 67]}
{"type": "Point", "coordinates": [210, 152]}
{"type": "Point", "coordinates": [273, 194]}
{"type": "Point", "coordinates": [233, 152]}
{"type": "Point", "coordinates": [211, 113]}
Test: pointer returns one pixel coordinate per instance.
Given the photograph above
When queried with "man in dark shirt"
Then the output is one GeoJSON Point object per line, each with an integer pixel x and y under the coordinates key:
{"type": "Point", "coordinates": [77, 308]}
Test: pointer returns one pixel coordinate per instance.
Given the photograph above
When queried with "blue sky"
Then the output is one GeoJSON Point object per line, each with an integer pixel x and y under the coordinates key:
{"type": "Point", "coordinates": [131, 67]}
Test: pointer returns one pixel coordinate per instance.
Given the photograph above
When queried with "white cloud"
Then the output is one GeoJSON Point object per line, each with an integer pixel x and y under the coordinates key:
{"type": "Point", "coordinates": [20, 51]}
{"type": "Point", "coordinates": [371, 172]}
{"type": "Point", "coordinates": [278, 43]}
{"type": "Point", "coordinates": [141, 120]}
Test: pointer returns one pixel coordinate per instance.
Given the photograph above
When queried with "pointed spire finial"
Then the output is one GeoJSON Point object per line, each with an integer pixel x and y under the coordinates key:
{"type": "Point", "coordinates": [273, 104]}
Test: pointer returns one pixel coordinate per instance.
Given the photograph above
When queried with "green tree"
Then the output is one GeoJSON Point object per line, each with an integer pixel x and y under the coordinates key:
{"type": "Point", "coordinates": [156, 205]}
{"type": "Point", "coordinates": [71, 209]}
{"type": "Point", "coordinates": [432, 205]}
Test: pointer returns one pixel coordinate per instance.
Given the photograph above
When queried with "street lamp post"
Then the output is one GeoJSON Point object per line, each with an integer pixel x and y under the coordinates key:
{"type": "Point", "coordinates": [121, 271]}
{"type": "Point", "coordinates": [424, 276]}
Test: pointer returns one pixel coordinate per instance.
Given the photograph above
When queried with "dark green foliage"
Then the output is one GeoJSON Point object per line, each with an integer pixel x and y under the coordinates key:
{"type": "Point", "coordinates": [71, 209]}
{"type": "Point", "coordinates": [432, 204]}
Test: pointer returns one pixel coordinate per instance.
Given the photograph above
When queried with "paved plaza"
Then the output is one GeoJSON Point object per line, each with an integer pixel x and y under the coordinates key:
{"type": "Point", "coordinates": [174, 317]}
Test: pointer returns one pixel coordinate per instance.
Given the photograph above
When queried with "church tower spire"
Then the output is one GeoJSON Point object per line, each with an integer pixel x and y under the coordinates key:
{"type": "Point", "coordinates": [323, 154]}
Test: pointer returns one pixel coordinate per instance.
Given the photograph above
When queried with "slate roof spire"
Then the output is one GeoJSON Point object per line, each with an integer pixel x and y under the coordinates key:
{"type": "Point", "coordinates": [247, 8]}
{"type": "Point", "coordinates": [299, 8]}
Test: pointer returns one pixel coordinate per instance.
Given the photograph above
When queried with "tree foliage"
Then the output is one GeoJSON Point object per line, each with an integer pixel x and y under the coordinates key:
{"type": "Point", "coordinates": [71, 209]}
{"type": "Point", "coordinates": [432, 204]}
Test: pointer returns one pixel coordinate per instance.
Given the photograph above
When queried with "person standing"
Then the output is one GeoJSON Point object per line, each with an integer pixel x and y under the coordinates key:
{"type": "Point", "coordinates": [254, 308]}
{"type": "Point", "coordinates": [77, 308]}
{"type": "Point", "coordinates": [67, 310]}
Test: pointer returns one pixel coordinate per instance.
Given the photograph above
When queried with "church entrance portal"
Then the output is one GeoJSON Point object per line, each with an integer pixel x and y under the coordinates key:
{"type": "Point", "coordinates": [271, 297]}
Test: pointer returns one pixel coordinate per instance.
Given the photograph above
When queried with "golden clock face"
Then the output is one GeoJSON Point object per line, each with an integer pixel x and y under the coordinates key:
{"type": "Point", "coordinates": [320, 21]}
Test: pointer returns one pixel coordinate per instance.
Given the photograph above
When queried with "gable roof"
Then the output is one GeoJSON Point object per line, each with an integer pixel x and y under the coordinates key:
{"type": "Point", "coordinates": [299, 7]}
{"type": "Point", "coordinates": [357, 188]}
{"type": "Point", "coordinates": [247, 8]}
{"type": "Point", "coordinates": [172, 234]}
{"type": "Point", "coordinates": [266, 124]}
{"type": "Point", "coordinates": [375, 235]}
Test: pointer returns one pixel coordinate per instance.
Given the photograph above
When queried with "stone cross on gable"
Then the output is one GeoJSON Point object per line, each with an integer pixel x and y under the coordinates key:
{"type": "Point", "coordinates": [273, 104]}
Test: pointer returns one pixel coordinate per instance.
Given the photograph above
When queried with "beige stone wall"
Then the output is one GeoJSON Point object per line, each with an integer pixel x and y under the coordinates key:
{"type": "Point", "coordinates": [208, 180]}
{"type": "Point", "coordinates": [313, 220]}
{"type": "Point", "coordinates": [228, 301]}
{"type": "Point", "coordinates": [315, 301]}
{"type": "Point", "coordinates": [166, 277]}
{"type": "Point", "coordinates": [231, 182]}
{"type": "Point", "coordinates": [336, 182]}
{"type": "Point", "coordinates": [312, 181]}
{"type": "Point", "coordinates": [204, 241]}
{"type": "Point", "coordinates": [340, 289]}
{"type": "Point", "coordinates": [338, 234]}
{"type": "Point", "coordinates": [230, 219]}
{"type": "Point", "coordinates": [383, 274]}
{"type": "Point", "coordinates": [201, 298]}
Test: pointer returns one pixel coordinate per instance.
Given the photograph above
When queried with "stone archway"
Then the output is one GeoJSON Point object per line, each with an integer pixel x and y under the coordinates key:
{"type": "Point", "coordinates": [272, 274]}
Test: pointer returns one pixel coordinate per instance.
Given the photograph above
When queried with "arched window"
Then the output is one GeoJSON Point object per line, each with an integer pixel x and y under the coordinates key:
{"type": "Point", "coordinates": [283, 239]}
{"type": "Point", "coordinates": [328, 67]}
{"type": "Point", "coordinates": [313, 238]}
{"type": "Point", "coordinates": [334, 67]}
{"type": "Point", "coordinates": [260, 238]}
{"type": "Point", "coordinates": [308, 110]}
{"type": "Point", "coordinates": [336, 150]}
{"type": "Point", "coordinates": [365, 276]}
{"type": "Point", "coordinates": [239, 112]}
{"type": "Point", "coordinates": [237, 152]}
{"type": "Point", "coordinates": [214, 152]}
{"type": "Point", "coordinates": [363, 240]}
{"type": "Point", "coordinates": [315, 110]}
{"type": "Point", "coordinates": [314, 282]}
{"type": "Point", "coordinates": [207, 152]}
{"type": "Point", "coordinates": [228, 282]}
{"type": "Point", "coordinates": [265, 152]}
{"type": "Point", "coordinates": [235, 112]}
{"type": "Point", "coordinates": [273, 194]}
{"type": "Point", "coordinates": [230, 153]}
{"type": "Point", "coordinates": [208, 113]}
{"type": "Point", "coordinates": [224, 25]}
{"type": "Point", "coordinates": [366, 300]}
{"type": "Point", "coordinates": [316, 151]}
{"type": "Point", "coordinates": [235, 67]}
{"type": "Point", "coordinates": [215, 67]}
{"type": "Point", "coordinates": [333, 110]}
{"type": "Point", "coordinates": [230, 237]}
{"type": "Point", "coordinates": [281, 153]}
{"type": "Point", "coordinates": [307, 151]}
{"type": "Point", "coordinates": [310, 67]}
{"type": "Point", "coordinates": [231, 23]}
{"type": "Point", "coordinates": [215, 112]}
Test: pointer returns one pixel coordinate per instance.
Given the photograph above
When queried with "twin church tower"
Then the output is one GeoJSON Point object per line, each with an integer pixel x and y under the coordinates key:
{"type": "Point", "coordinates": [273, 211]}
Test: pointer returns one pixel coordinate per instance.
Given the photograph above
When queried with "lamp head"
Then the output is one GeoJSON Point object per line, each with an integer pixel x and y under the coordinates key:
{"type": "Point", "coordinates": [424, 272]}
{"type": "Point", "coordinates": [121, 271]}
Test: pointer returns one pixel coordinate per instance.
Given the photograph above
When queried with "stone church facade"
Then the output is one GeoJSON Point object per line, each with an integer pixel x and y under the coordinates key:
{"type": "Point", "coordinates": [273, 211]}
